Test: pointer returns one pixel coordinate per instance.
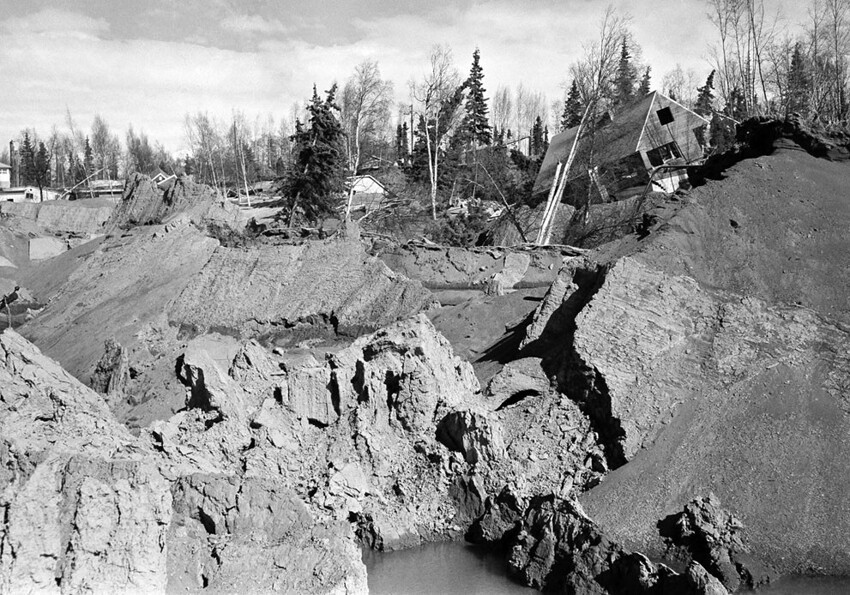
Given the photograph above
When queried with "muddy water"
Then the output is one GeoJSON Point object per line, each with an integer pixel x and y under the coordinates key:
{"type": "Point", "coordinates": [799, 585]}
{"type": "Point", "coordinates": [446, 568]}
{"type": "Point", "coordinates": [461, 569]}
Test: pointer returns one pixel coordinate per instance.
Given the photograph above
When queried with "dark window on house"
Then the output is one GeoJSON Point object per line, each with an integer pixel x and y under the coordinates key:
{"type": "Point", "coordinates": [663, 154]}
{"type": "Point", "coordinates": [665, 116]}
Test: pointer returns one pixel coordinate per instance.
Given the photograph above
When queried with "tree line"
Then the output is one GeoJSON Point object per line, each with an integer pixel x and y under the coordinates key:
{"type": "Point", "coordinates": [452, 141]}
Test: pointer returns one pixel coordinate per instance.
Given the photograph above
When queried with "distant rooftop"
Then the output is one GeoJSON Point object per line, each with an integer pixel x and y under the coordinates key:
{"type": "Point", "coordinates": [5, 166]}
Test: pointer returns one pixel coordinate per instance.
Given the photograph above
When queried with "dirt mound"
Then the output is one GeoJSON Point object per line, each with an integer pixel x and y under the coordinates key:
{"type": "Point", "coordinates": [144, 203]}
{"type": "Point", "coordinates": [713, 348]}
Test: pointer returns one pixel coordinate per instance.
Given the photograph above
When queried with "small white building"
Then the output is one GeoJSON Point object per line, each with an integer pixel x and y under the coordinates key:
{"type": "Point", "coordinates": [366, 184]}
{"type": "Point", "coordinates": [5, 175]}
{"type": "Point", "coordinates": [28, 194]}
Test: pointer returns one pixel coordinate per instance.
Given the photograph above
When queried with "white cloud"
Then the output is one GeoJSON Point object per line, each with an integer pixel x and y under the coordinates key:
{"type": "Point", "coordinates": [54, 22]}
{"type": "Point", "coordinates": [252, 24]}
{"type": "Point", "coordinates": [53, 59]}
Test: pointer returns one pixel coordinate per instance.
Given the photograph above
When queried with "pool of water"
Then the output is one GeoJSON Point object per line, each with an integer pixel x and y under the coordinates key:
{"type": "Point", "coordinates": [454, 568]}
{"type": "Point", "coordinates": [808, 585]}
{"type": "Point", "coordinates": [445, 568]}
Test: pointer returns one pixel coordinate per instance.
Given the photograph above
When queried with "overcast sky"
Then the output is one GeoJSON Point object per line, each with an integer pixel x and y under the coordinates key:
{"type": "Point", "coordinates": [148, 63]}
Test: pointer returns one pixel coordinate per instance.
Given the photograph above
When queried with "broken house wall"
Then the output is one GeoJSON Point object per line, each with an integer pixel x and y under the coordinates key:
{"type": "Point", "coordinates": [681, 130]}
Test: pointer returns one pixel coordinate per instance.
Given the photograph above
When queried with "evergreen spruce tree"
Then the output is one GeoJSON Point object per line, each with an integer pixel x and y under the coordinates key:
{"type": "Point", "coordinates": [645, 83]}
{"type": "Point", "coordinates": [405, 145]}
{"type": "Point", "coordinates": [498, 137]}
{"type": "Point", "coordinates": [88, 158]}
{"type": "Point", "coordinates": [722, 133]}
{"type": "Point", "coordinates": [27, 155]}
{"type": "Point", "coordinates": [418, 168]}
{"type": "Point", "coordinates": [573, 109]}
{"type": "Point", "coordinates": [72, 168]}
{"type": "Point", "coordinates": [624, 83]}
{"type": "Point", "coordinates": [798, 82]}
{"type": "Point", "coordinates": [736, 106]}
{"type": "Point", "coordinates": [539, 141]}
{"type": "Point", "coordinates": [476, 126]}
{"type": "Point", "coordinates": [705, 97]}
{"type": "Point", "coordinates": [316, 180]}
{"type": "Point", "coordinates": [40, 169]}
{"type": "Point", "coordinates": [536, 142]}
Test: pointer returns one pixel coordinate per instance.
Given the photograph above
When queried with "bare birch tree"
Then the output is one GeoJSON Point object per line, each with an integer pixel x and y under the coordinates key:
{"type": "Point", "coordinates": [436, 96]}
{"type": "Point", "coordinates": [594, 73]}
{"type": "Point", "coordinates": [501, 110]}
{"type": "Point", "coordinates": [681, 85]}
{"type": "Point", "coordinates": [366, 101]}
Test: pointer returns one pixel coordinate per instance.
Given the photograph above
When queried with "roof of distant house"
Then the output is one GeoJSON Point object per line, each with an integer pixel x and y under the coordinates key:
{"type": "Point", "coordinates": [364, 177]}
{"type": "Point", "coordinates": [5, 166]}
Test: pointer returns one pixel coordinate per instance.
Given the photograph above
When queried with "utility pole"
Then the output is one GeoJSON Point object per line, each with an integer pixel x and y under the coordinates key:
{"type": "Point", "coordinates": [410, 145]}
{"type": "Point", "coordinates": [15, 178]}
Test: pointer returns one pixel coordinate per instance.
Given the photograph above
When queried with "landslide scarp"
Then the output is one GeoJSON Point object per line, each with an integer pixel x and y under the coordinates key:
{"type": "Point", "coordinates": [721, 337]}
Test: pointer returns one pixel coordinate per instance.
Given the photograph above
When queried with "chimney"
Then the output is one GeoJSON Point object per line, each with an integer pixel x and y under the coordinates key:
{"type": "Point", "coordinates": [15, 174]}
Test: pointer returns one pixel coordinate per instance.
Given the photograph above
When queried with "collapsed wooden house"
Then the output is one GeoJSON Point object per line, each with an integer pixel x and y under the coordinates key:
{"type": "Point", "coordinates": [613, 158]}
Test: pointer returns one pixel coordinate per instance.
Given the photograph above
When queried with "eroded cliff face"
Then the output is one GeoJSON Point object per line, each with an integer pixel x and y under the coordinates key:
{"type": "Point", "coordinates": [88, 507]}
{"type": "Point", "coordinates": [276, 463]}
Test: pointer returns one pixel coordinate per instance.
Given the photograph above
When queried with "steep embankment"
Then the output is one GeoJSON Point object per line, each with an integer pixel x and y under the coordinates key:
{"type": "Point", "coordinates": [723, 344]}
{"type": "Point", "coordinates": [154, 287]}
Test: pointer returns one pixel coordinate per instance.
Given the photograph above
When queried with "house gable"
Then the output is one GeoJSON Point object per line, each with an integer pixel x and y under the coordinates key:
{"type": "Point", "coordinates": [622, 144]}
{"type": "Point", "coordinates": [680, 130]}
{"type": "Point", "coordinates": [366, 184]}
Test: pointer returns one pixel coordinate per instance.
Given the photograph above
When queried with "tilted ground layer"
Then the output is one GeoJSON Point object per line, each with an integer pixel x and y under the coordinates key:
{"type": "Point", "coordinates": [724, 341]}
{"type": "Point", "coordinates": [87, 216]}
{"type": "Point", "coordinates": [154, 287]}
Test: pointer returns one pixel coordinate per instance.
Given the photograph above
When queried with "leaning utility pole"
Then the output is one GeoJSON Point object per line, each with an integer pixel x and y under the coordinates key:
{"type": "Point", "coordinates": [558, 186]}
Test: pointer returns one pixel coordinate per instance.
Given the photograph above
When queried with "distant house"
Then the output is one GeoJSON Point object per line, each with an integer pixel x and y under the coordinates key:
{"type": "Point", "coordinates": [166, 182]}
{"type": "Point", "coordinates": [28, 194]}
{"type": "Point", "coordinates": [366, 184]}
{"type": "Point", "coordinates": [5, 175]}
{"type": "Point", "coordinates": [617, 155]}
{"type": "Point", "coordinates": [369, 193]}
{"type": "Point", "coordinates": [105, 188]}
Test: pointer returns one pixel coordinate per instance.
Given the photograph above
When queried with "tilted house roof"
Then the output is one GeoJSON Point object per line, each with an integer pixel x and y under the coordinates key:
{"type": "Point", "coordinates": [631, 132]}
